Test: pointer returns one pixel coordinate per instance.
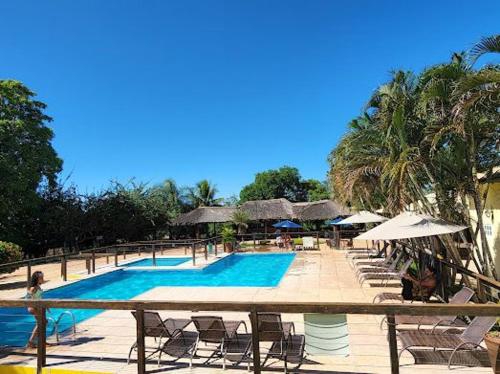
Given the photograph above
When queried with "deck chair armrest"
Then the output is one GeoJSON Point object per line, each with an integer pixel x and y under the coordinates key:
{"type": "Point", "coordinates": [451, 330]}
{"type": "Point", "coordinates": [444, 322]}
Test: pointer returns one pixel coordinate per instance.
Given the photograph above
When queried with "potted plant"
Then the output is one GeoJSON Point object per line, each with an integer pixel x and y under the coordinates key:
{"type": "Point", "coordinates": [228, 237]}
{"type": "Point", "coordinates": [492, 340]}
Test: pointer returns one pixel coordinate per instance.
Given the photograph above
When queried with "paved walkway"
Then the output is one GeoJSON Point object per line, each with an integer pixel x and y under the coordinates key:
{"type": "Point", "coordinates": [103, 341]}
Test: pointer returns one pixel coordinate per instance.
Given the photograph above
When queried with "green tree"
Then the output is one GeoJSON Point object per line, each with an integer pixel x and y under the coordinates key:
{"type": "Point", "coordinates": [284, 182]}
{"type": "Point", "coordinates": [26, 157]}
{"type": "Point", "coordinates": [425, 134]}
{"type": "Point", "coordinates": [203, 194]}
{"type": "Point", "coordinates": [316, 190]}
{"type": "Point", "coordinates": [240, 219]}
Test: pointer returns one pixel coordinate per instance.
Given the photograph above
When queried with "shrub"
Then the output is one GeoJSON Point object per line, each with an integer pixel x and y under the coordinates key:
{"type": "Point", "coordinates": [10, 252]}
{"type": "Point", "coordinates": [228, 234]}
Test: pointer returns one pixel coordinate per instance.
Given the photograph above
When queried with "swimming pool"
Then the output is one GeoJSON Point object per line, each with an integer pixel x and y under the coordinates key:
{"type": "Point", "coordinates": [160, 261]}
{"type": "Point", "coordinates": [236, 270]}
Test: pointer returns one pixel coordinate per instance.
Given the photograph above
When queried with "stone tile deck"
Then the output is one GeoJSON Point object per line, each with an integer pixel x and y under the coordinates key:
{"type": "Point", "coordinates": [103, 341]}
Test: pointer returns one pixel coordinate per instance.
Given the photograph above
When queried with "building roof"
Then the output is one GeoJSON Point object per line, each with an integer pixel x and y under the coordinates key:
{"type": "Point", "coordinates": [206, 214]}
{"type": "Point", "coordinates": [318, 210]}
{"type": "Point", "coordinates": [268, 209]}
{"type": "Point", "coordinates": [273, 209]}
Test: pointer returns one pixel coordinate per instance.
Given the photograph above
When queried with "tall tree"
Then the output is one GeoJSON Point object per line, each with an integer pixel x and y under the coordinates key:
{"type": "Point", "coordinates": [284, 182]}
{"type": "Point", "coordinates": [26, 157]}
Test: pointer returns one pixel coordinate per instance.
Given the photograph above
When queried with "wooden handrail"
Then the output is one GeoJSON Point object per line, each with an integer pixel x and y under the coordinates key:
{"type": "Point", "coordinates": [139, 306]}
{"type": "Point", "coordinates": [283, 307]}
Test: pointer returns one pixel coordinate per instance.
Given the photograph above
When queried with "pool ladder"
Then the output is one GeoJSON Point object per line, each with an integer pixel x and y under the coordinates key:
{"type": "Point", "coordinates": [57, 321]}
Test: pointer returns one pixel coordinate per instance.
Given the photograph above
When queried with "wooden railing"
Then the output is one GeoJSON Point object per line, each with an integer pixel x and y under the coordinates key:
{"type": "Point", "coordinates": [139, 306]}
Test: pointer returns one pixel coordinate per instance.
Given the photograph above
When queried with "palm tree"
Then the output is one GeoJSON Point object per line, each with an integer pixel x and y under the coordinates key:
{"type": "Point", "coordinates": [240, 219]}
{"type": "Point", "coordinates": [431, 133]}
{"type": "Point", "coordinates": [203, 194]}
{"type": "Point", "coordinates": [490, 44]}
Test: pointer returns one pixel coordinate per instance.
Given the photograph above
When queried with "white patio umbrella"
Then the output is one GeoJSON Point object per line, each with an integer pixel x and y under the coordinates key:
{"type": "Point", "coordinates": [410, 225]}
{"type": "Point", "coordinates": [362, 217]}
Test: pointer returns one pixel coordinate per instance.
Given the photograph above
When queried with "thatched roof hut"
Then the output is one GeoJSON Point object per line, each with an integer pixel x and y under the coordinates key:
{"type": "Point", "coordinates": [206, 214]}
{"type": "Point", "coordinates": [318, 210]}
{"type": "Point", "coordinates": [268, 209]}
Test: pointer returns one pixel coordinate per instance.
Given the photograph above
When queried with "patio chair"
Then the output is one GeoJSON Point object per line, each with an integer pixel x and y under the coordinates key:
{"type": "Point", "coordinates": [461, 297]}
{"type": "Point", "coordinates": [286, 345]}
{"type": "Point", "coordinates": [387, 275]}
{"type": "Point", "coordinates": [239, 349]}
{"type": "Point", "coordinates": [214, 330]}
{"type": "Point", "coordinates": [158, 329]}
{"type": "Point", "coordinates": [181, 345]}
{"type": "Point", "coordinates": [390, 263]}
{"type": "Point", "coordinates": [451, 341]}
{"type": "Point", "coordinates": [308, 242]}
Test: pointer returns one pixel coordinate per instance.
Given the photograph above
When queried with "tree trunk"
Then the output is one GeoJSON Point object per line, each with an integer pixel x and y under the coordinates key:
{"type": "Point", "coordinates": [489, 267]}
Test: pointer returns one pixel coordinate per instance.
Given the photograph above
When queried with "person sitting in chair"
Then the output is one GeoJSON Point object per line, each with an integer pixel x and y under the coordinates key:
{"type": "Point", "coordinates": [414, 288]}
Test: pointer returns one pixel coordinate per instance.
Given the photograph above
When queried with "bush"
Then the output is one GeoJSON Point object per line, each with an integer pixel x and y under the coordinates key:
{"type": "Point", "coordinates": [228, 234]}
{"type": "Point", "coordinates": [10, 252]}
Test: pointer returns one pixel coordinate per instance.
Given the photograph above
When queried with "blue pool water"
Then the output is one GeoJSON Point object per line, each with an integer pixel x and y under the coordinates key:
{"type": "Point", "coordinates": [237, 270]}
{"type": "Point", "coordinates": [161, 261]}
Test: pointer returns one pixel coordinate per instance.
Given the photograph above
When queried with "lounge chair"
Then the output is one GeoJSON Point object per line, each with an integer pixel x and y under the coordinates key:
{"type": "Point", "coordinates": [214, 330]}
{"type": "Point", "coordinates": [239, 349]}
{"type": "Point", "coordinates": [468, 340]}
{"type": "Point", "coordinates": [387, 275]}
{"type": "Point", "coordinates": [286, 345]}
{"type": "Point", "coordinates": [461, 297]}
{"type": "Point", "coordinates": [181, 345]}
{"type": "Point", "coordinates": [389, 264]}
{"type": "Point", "coordinates": [308, 242]}
{"type": "Point", "coordinates": [158, 329]}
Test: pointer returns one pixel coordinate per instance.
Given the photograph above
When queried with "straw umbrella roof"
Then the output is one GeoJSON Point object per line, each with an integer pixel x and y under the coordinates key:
{"type": "Point", "coordinates": [363, 217]}
{"type": "Point", "coordinates": [268, 209]}
{"type": "Point", "coordinates": [319, 210]}
{"type": "Point", "coordinates": [410, 225]}
{"type": "Point", "coordinates": [206, 214]}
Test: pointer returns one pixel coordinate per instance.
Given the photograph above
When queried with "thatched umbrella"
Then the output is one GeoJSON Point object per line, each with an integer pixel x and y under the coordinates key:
{"type": "Point", "coordinates": [267, 210]}
{"type": "Point", "coordinates": [206, 214]}
{"type": "Point", "coordinates": [319, 210]}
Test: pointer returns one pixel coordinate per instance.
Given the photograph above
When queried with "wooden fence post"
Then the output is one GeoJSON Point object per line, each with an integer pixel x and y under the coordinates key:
{"type": "Point", "coordinates": [124, 253]}
{"type": "Point", "coordinates": [28, 274]}
{"type": "Point", "coordinates": [87, 265]}
{"type": "Point", "coordinates": [317, 240]}
{"type": "Point", "coordinates": [393, 344]}
{"type": "Point", "coordinates": [116, 258]}
{"type": "Point", "coordinates": [193, 250]}
{"type": "Point", "coordinates": [215, 246]}
{"type": "Point", "coordinates": [254, 320]}
{"type": "Point", "coordinates": [154, 255]}
{"type": "Point", "coordinates": [141, 349]}
{"type": "Point", "coordinates": [139, 250]}
{"type": "Point", "coordinates": [253, 237]}
{"type": "Point", "coordinates": [162, 247]}
{"type": "Point", "coordinates": [206, 252]}
{"type": "Point", "coordinates": [42, 338]}
{"type": "Point", "coordinates": [93, 261]}
{"type": "Point", "coordinates": [64, 268]}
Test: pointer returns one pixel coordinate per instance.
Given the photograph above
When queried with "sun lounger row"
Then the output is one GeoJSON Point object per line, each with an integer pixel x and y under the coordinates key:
{"type": "Point", "coordinates": [221, 339]}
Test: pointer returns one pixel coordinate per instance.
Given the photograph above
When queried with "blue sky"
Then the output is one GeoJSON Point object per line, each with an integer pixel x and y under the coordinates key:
{"type": "Point", "coordinates": [217, 89]}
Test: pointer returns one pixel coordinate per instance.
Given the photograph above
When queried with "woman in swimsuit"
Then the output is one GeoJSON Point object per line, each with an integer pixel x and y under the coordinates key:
{"type": "Point", "coordinates": [35, 292]}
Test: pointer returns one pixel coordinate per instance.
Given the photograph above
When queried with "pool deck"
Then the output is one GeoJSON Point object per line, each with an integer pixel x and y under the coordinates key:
{"type": "Point", "coordinates": [103, 342]}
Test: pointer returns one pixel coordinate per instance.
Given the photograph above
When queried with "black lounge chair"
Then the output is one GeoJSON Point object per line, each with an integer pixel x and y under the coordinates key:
{"type": "Point", "coordinates": [181, 345]}
{"type": "Point", "coordinates": [158, 329]}
{"type": "Point", "coordinates": [223, 334]}
{"type": "Point", "coordinates": [286, 345]}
